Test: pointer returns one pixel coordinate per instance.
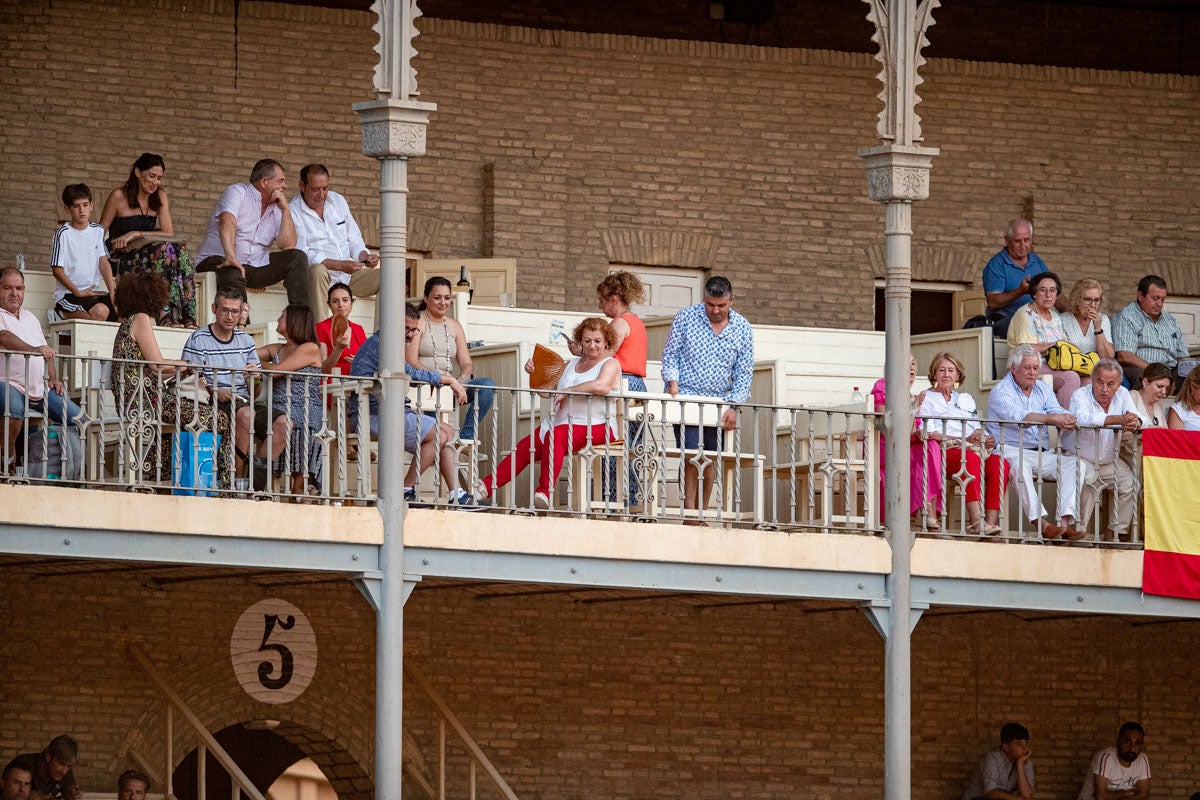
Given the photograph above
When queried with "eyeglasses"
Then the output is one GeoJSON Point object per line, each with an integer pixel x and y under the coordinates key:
{"type": "Point", "coordinates": [228, 312]}
{"type": "Point", "coordinates": [1047, 290]}
{"type": "Point", "coordinates": [408, 330]}
{"type": "Point", "coordinates": [1092, 299]}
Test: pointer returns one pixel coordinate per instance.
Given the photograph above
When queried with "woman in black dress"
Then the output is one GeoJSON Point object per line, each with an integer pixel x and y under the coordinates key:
{"type": "Point", "coordinates": [137, 218]}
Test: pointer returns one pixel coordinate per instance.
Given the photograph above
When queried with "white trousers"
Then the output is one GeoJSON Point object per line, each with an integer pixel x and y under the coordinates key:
{"type": "Point", "coordinates": [1114, 476]}
{"type": "Point", "coordinates": [1047, 464]}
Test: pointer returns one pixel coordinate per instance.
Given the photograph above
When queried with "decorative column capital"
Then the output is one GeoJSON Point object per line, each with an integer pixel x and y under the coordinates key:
{"type": "Point", "coordinates": [393, 128]}
{"type": "Point", "coordinates": [898, 172]}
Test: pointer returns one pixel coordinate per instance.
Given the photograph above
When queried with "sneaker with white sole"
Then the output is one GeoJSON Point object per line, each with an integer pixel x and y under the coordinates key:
{"type": "Point", "coordinates": [541, 501]}
{"type": "Point", "coordinates": [466, 502]}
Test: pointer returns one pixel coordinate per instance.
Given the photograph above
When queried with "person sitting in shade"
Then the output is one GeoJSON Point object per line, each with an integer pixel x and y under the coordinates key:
{"type": "Point", "coordinates": [1004, 772]}
{"type": "Point", "coordinates": [1121, 772]}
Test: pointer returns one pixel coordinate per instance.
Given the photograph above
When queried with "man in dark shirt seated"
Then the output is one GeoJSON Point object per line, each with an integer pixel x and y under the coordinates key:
{"type": "Point", "coordinates": [16, 781]}
{"type": "Point", "coordinates": [50, 770]}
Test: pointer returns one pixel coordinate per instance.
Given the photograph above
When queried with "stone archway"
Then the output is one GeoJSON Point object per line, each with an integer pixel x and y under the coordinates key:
{"type": "Point", "coordinates": [265, 754]}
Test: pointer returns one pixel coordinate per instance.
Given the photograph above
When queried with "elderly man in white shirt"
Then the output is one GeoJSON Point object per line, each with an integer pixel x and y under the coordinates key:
{"type": "Point", "coordinates": [330, 238]}
{"type": "Point", "coordinates": [1106, 406]}
{"type": "Point", "coordinates": [247, 221]}
{"type": "Point", "coordinates": [1021, 398]}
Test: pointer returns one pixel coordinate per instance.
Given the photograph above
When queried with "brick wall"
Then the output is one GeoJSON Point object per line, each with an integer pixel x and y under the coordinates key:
{"type": "Point", "coordinates": [545, 140]}
{"type": "Point", "coordinates": [639, 699]}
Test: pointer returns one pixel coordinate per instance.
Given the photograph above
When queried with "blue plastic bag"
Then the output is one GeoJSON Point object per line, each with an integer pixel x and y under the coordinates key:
{"type": "Point", "coordinates": [194, 458]}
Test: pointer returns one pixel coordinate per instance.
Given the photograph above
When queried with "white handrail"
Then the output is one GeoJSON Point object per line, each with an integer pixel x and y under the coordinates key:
{"type": "Point", "coordinates": [447, 717]}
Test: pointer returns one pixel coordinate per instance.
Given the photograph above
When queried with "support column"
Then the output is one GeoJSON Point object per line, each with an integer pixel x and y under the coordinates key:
{"type": "Point", "coordinates": [393, 126]}
{"type": "Point", "coordinates": [898, 175]}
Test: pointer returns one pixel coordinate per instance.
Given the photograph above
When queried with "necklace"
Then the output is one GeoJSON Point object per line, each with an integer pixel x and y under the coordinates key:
{"type": "Point", "coordinates": [445, 354]}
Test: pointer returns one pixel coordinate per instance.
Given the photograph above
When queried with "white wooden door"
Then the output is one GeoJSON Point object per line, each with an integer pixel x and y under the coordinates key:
{"type": "Point", "coordinates": [668, 289]}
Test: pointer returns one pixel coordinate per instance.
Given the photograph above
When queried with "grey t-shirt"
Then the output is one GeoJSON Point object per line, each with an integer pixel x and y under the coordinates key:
{"type": "Point", "coordinates": [228, 359]}
{"type": "Point", "coordinates": [995, 771]}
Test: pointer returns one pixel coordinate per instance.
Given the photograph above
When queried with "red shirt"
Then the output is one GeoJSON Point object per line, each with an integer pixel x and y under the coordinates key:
{"type": "Point", "coordinates": [357, 337]}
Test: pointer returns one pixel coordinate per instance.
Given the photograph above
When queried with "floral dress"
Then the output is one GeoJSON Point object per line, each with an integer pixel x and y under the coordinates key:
{"type": "Point", "coordinates": [168, 259]}
{"type": "Point", "coordinates": [144, 399]}
{"type": "Point", "coordinates": [299, 396]}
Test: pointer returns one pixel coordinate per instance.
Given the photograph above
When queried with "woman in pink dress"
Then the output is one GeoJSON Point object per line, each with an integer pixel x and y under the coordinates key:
{"type": "Point", "coordinates": [925, 461]}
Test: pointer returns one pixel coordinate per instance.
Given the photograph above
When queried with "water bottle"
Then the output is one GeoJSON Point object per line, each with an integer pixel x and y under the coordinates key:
{"type": "Point", "coordinates": [21, 261]}
{"type": "Point", "coordinates": [52, 446]}
{"type": "Point", "coordinates": [856, 397]}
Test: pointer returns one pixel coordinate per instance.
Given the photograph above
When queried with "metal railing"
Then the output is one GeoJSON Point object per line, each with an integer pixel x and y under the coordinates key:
{"type": "Point", "coordinates": [118, 423]}
{"type": "Point", "coordinates": [631, 456]}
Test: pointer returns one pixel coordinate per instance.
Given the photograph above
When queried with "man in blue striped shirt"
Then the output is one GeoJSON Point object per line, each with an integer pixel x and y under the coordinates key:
{"type": "Point", "coordinates": [709, 353]}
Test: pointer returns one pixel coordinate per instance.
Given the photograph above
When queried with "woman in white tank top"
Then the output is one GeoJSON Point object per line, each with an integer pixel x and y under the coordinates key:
{"type": "Point", "coordinates": [584, 417]}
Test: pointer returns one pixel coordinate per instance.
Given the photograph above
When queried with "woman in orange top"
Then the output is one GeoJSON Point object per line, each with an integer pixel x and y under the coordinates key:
{"type": "Point", "coordinates": [614, 295]}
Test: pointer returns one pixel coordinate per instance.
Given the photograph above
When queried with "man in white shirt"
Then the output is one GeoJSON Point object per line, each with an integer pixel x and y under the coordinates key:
{"type": "Point", "coordinates": [28, 381]}
{"type": "Point", "coordinates": [1121, 772]}
{"type": "Point", "coordinates": [249, 219]}
{"type": "Point", "coordinates": [330, 238]}
{"type": "Point", "coordinates": [1104, 403]}
{"type": "Point", "coordinates": [1021, 398]}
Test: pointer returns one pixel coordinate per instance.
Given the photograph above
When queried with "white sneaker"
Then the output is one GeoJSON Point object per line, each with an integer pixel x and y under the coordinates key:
{"type": "Point", "coordinates": [541, 501]}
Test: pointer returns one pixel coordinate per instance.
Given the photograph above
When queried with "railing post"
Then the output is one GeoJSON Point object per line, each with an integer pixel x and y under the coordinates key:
{"type": "Point", "coordinates": [201, 772]}
{"type": "Point", "coordinates": [441, 757]}
{"type": "Point", "coordinates": [168, 774]}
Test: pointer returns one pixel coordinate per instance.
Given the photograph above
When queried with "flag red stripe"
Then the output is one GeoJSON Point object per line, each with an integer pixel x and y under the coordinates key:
{"type": "Point", "coordinates": [1171, 574]}
{"type": "Point", "coordinates": [1166, 443]}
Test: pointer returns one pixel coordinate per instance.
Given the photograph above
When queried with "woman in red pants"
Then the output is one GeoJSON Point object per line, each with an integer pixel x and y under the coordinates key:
{"type": "Point", "coordinates": [950, 417]}
{"type": "Point", "coordinates": [585, 415]}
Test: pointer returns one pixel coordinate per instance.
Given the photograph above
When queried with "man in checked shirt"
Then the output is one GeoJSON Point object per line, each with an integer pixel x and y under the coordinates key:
{"type": "Point", "coordinates": [709, 353]}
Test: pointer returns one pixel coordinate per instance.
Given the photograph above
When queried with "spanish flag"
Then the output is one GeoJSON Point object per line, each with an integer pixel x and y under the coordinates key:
{"type": "Point", "coordinates": [1171, 492]}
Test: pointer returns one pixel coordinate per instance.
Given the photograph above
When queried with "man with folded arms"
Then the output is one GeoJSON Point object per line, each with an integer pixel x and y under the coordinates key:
{"type": "Point", "coordinates": [247, 221]}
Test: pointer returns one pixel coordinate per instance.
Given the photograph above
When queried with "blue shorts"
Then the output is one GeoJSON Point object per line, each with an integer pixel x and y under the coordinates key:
{"type": "Point", "coordinates": [416, 428]}
{"type": "Point", "coordinates": [714, 437]}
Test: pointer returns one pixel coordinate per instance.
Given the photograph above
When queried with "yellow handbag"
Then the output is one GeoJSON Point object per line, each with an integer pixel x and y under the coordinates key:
{"type": "Point", "coordinates": [1066, 356]}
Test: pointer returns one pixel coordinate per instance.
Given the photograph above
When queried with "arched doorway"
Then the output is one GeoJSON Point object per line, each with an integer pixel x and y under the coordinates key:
{"type": "Point", "coordinates": [264, 750]}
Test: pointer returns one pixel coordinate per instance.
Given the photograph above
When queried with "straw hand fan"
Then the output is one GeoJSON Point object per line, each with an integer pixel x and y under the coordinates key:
{"type": "Point", "coordinates": [548, 367]}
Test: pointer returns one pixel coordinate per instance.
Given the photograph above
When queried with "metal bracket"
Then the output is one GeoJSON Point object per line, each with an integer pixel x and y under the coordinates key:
{"type": "Point", "coordinates": [370, 584]}
{"type": "Point", "coordinates": [878, 613]}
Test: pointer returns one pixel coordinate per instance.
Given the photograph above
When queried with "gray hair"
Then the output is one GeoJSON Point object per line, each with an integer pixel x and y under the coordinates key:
{"type": "Point", "coordinates": [1109, 363]}
{"type": "Point", "coordinates": [1011, 229]}
{"type": "Point", "coordinates": [718, 287]}
{"type": "Point", "coordinates": [1020, 353]}
{"type": "Point", "coordinates": [264, 168]}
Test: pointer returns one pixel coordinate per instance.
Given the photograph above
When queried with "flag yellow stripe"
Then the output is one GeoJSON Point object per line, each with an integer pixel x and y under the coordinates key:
{"type": "Point", "coordinates": [1172, 500]}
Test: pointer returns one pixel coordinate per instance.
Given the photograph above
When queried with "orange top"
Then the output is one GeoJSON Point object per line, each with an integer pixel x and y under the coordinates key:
{"type": "Point", "coordinates": [631, 355]}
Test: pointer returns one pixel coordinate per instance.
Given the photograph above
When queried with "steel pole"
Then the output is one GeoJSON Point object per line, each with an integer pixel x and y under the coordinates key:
{"type": "Point", "coordinates": [897, 696]}
{"type": "Point", "coordinates": [389, 636]}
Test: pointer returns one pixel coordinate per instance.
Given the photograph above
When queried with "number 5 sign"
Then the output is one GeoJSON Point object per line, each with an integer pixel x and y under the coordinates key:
{"type": "Point", "coordinates": [274, 651]}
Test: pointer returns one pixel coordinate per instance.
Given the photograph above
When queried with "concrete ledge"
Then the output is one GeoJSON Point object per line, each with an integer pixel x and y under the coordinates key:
{"type": "Point", "coordinates": [83, 509]}
{"type": "Point", "coordinates": [1020, 563]}
{"type": "Point", "coordinates": [632, 541]}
